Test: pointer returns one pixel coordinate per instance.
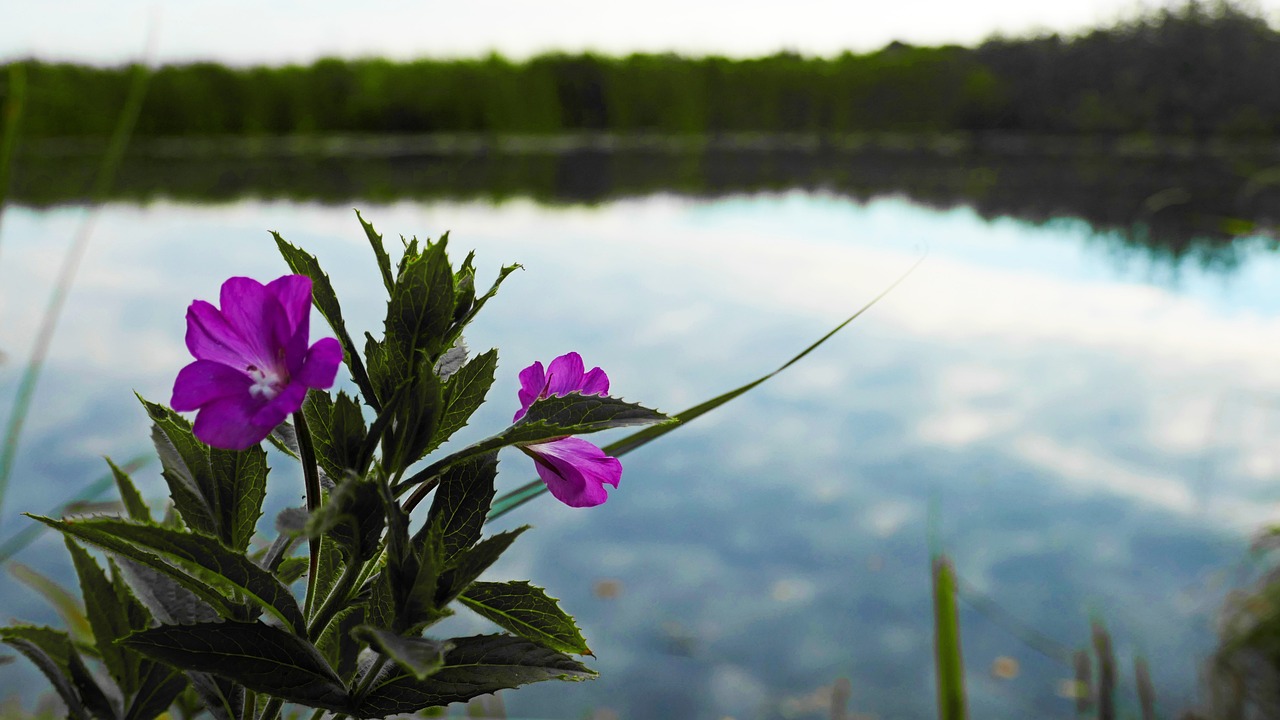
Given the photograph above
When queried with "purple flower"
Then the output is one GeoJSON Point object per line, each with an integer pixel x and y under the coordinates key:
{"type": "Point", "coordinates": [253, 367]}
{"type": "Point", "coordinates": [574, 470]}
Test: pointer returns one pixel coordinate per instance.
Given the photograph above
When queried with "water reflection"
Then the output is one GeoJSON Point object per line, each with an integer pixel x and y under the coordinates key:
{"type": "Point", "coordinates": [1096, 440]}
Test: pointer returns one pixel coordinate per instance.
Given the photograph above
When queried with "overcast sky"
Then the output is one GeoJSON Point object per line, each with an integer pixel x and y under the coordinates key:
{"type": "Point", "coordinates": [244, 32]}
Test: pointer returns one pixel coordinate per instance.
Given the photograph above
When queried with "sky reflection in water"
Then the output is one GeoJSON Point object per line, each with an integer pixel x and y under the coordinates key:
{"type": "Point", "coordinates": [1096, 434]}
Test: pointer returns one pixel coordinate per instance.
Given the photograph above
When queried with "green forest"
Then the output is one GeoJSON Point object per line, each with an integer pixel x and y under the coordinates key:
{"type": "Point", "coordinates": [1197, 70]}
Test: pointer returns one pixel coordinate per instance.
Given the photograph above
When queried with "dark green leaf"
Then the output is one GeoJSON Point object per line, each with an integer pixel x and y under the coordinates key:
{"type": "Point", "coordinates": [214, 573]}
{"type": "Point", "coordinates": [133, 502]}
{"type": "Point", "coordinates": [91, 694]}
{"type": "Point", "coordinates": [259, 657]}
{"type": "Point", "coordinates": [185, 463]}
{"type": "Point", "coordinates": [240, 477]}
{"type": "Point", "coordinates": [476, 666]}
{"type": "Point", "coordinates": [336, 644]}
{"type": "Point", "coordinates": [527, 611]}
{"type": "Point", "coordinates": [108, 616]}
{"type": "Point", "coordinates": [527, 492]}
{"type": "Point", "coordinates": [337, 432]}
{"type": "Point", "coordinates": [50, 651]}
{"type": "Point", "coordinates": [474, 308]}
{"type": "Point", "coordinates": [461, 501]}
{"type": "Point", "coordinates": [164, 597]}
{"type": "Point", "coordinates": [285, 439]}
{"type": "Point", "coordinates": [352, 517]}
{"type": "Point", "coordinates": [421, 307]}
{"type": "Point", "coordinates": [464, 288]}
{"type": "Point", "coordinates": [290, 570]}
{"type": "Point", "coordinates": [464, 393]}
{"type": "Point", "coordinates": [160, 686]}
{"type": "Point", "coordinates": [469, 565]}
{"type": "Point", "coordinates": [420, 656]}
{"type": "Point", "coordinates": [221, 697]}
{"type": "Point", "coordinates": [380, 252]}
{"type": "Point", "coordinates": [326, 302]}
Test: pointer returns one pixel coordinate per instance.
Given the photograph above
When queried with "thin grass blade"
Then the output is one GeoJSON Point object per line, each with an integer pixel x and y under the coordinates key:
{"type": "Point", "coordinates": [946, 635]}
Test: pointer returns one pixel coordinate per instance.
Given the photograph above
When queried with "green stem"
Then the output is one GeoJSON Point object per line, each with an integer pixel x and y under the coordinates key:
{"type": "Point", "coordinates": [336, 600]}
{"type": "Point", "coordinates": [368, 678]}
{"type": "Point", "coordinates": [311, 478]}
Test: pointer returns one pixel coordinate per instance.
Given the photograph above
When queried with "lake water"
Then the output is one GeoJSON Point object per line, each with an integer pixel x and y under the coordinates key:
{"type": "Point", "coordinates": [1087, 432]}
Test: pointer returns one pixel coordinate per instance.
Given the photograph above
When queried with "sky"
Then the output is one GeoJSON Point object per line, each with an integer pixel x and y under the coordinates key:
{"type": "Point", "coordinates": [248, 32]}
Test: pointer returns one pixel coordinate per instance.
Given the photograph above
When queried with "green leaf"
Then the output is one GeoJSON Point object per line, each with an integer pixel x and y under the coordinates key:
{"type": "Point", "coordinates": [240, 477]}
{"type": "Point", "coordinates": [326, 302]}
{"type": "Point", "coordinates": [291, 570]}
{"type": "Point", "coordinates": [475, 666]}
{"type": "Point", "coordinates": [380, 252]}
{"type": "Point", "coordinates": [160, 686]}
{"type": "Point", "coordinates": [337, 432]}
{"type": "Point", "coordinates": [474, 308]}
{"type": "Point", "coordinates": [464, 288]}
{"type": "Point", "coordinates": [59, 598]}
{"type": "Point", "coordinates": [420, 656]}
{"type": "Point", "coordinates": [129, 495]}
{"type": "Point", "coordinates": [532, 489]}
{"type": "Point", "coordinates": [109, 617]}
{"type": "Point", "coordinates": [527, 611]}
{"type": "Point", "coordinates": [461, 501]}
{"type": "Point", "coordinates": [352, 517]}
{"type": "Point", "coordinates": [471, 564]}
{"type": "Point", "coordinates": [464, 393]}
{"type": "Point", "coordinates": [165, 598]}
{"type": "Point", "coordinates": [50, 651]}
{"type": "Point", "coordinates": [946, 628]}
{"type": "Point", "coordinates": [421, 308]}
{"type": "Point", "coordinates": [285, 439]}
{"type": "Point", "coordinates": [217, 575]}
{"type": "Point", "coordinates": [259, 657]}
{"type": "Point", "coordinates": [185, 463]}
{"type": "Point", "coordinates": [336, 644]}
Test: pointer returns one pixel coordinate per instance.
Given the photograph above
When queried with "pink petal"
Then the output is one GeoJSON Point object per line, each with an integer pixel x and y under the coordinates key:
{"type": "Point", "coordinates": [532, 382]}
{"type": "Point", "coordinates": [210, 337]}
{"type": "Point", "coordinates": [276, 410]}
{"type": "Point", "coordinates": [595, 383]}
{"type": "Point", "coordinates": [564, 375]}
{"type": "Point", "coordinates": [321, 365]}
{"type": "Point", "coordinates": [575, 471]}
{"type": "Point", "coordinates": [227, 423]}
{"type": "Point", "coordinates": [204, 381]}
{"type": "Point", "coordinates": [293, 292]}
{"type": "Point", "coordinates": [259, 319]}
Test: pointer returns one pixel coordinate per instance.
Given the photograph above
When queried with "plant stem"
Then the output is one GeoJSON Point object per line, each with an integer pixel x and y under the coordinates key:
{"type": "Point", "coordinates": [311, 478]}
{"type": "Point", "coordinates": [367, 680]}
{"type": "Point", "coordinates": [336, 599]}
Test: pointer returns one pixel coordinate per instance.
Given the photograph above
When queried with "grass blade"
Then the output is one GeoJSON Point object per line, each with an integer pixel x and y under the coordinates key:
{"type": "Point", "coordinates": [523, 494]}
{"type": "Point", "coordinates": [946, 635]}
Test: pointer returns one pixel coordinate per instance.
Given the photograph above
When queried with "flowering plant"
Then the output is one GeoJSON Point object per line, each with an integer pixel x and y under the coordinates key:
{"type": "Point", "coordinates": [186, 612]}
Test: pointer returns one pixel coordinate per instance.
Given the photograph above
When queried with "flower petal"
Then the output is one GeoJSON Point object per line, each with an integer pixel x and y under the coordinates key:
{"type": "Point", "coordinates": [204, 381]}
{"type": "Point", "coordinates": [211, 337]}
{"type": "Point", "coordinates": [258, 318]}
{"type": "Point", "coordinates": [321, 365]}
{"type": "Point", "coordinates": [293, 292]}
{"type": "Point", "coordinates": [227, 423]}
{"type": "Point", "coordinates": [533, 380]}
{"type": "Point", "coordinates": [595, 383]}
{"type": "Point", "coordinates": [274, 411]}
{"type": "Point", "coordinates": [575, 471]}
{"type": "Point", "coordinates": [564, 375]}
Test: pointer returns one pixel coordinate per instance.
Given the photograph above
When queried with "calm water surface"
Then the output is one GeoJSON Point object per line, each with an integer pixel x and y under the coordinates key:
{"type": "Point", "coordinates": [1094, 433]}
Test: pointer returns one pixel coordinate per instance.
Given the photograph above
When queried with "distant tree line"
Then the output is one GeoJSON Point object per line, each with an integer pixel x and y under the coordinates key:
{"type": "Point", "coordinates": [1196, 70]}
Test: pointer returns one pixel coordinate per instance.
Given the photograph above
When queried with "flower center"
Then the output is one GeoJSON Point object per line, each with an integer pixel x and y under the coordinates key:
{"type": "Point", "coordinates": [266, 384]}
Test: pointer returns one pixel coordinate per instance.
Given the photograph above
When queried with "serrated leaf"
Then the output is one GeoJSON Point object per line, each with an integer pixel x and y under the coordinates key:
{"type": "Point", "coordinates": [108, 616]}
{"type": "Point", "coordinates": [49, 650]}
{"type": "Point", "coordinates": [160, 685]}
{"type": "Point", "coordinates": [527, 611]}
{"type": "Point", "coordinates": [336, 644]}
{"type": "Point", "coordinates": [476, 666]}
{"type": "Point", "coordinates": [220, 575]}
{"type": "Point", "coordinates": [352, 517]}
{"type": "Point", "coordinates": [59, 598]}
{"type": "Point", "coordinates": [164, 597]}
{"type": "Point", "coordinates": [134, 505]}
{"type": "Point", "coordinates": [290, 570]}
{"type": "Point", "coordinates": [185, 467]}
{"type": "Point", "coordinates": [240, 477]}
{"type": "Point", "coordinates": [463, 394]}
{"type": "Point", "coordinates": [91, 694]}
{"type": "Point", "coordinates": [464, 288]}
{"type": "Point", "coordinates": [285, 439]}
{"type": "Point", "coordinates": [220, 697]}
{"type": "Point", "coordinates": [419, 656]}
{"type": "Point", "coordinates": [379, 251]}
{"type": "Point", "coordinates": [461, 502]}
{"type": "Point", "coordinates": [326, 302]}
{"type": "Point", "coordinates": [259, 657]}
{"type": "Point", "coordinates": [337, 432]}
{"type": "Point", "coordinates": [421, 308]}
{"type": "Point", "coordinates": [475, 306]}
{"type": "Point", "coordinates": [471, 564]}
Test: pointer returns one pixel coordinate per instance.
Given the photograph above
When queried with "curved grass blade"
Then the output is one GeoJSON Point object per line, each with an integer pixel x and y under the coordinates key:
{"type": "Point", "coordinates": [530, 490]}
{"type": "Point", "coordinates": [60, 599]}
